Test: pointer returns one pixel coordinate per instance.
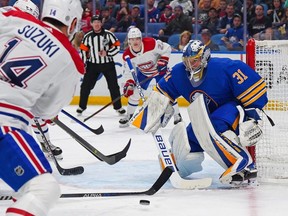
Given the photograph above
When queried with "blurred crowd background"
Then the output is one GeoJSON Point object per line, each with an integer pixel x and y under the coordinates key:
{"type": "Point", "coordinates": [223, 25]}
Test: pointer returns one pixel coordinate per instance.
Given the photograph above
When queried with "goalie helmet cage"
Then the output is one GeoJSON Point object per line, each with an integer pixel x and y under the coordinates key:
{"type": "Point", "coordinates": [270, 59]}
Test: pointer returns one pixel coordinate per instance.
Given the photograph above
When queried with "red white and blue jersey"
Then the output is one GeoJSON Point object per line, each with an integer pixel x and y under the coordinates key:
{"type": "Point", "coordinates": [39, 69]}
{"type": "Point", "coordinates": [146, 60]}
{"type": "Point", "coordinates": [224, 81]}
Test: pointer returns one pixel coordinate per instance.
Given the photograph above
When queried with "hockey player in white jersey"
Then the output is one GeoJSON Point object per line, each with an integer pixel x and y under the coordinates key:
{"type": "Point", "coordinates": [150, 57]}
{"type": "Point", "coordinates": [39, 73]}
{"type": "Point", "coordinates": [29, 7]}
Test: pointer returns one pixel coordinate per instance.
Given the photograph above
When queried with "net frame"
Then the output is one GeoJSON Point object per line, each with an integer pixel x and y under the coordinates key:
{"type": "Point", "coordinates": [270, 59]}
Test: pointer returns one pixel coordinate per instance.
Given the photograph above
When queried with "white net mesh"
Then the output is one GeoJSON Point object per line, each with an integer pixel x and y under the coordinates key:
{"type": "Point", "coordinates": [272, 152]}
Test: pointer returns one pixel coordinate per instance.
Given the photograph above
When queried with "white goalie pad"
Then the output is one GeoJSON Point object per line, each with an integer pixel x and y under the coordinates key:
{"type": "Point", "coordinates": [206, 134]}
{"type": "Point", "coordinates": [149, 116]}
{"type": "Point", "coordinates": [179, 141]}
{"type": "Point", "coordinates": [186, 162]}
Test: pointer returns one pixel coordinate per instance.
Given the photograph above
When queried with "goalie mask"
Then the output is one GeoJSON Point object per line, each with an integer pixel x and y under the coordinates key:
{"type": "Point", "coordinates": [195, 58]}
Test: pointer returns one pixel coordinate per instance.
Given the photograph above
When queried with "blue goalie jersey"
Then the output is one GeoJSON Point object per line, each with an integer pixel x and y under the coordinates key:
{"type": "Point", "coordinates": [224, 81]}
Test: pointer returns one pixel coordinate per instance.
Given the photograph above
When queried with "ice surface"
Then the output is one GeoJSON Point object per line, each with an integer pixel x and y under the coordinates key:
{"type": "Point", "coordinates": [138, 171]}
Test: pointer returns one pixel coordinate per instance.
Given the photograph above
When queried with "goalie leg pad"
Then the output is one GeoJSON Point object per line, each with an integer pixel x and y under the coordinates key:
{"type": "Point", "coordinates": [223, 148]}
{"type": "Point", "coordinates": [179, 141]}
{"type": "Point", "coordinates": [151, 112]}
{"type": "Point", "coordinates": [186, 162]}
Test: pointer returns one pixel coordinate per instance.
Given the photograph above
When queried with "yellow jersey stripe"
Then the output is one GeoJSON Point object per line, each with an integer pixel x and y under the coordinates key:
{"type": "Point", "coordinates": [253, 93]}
{"type": "Point", "coordinates": [252, 100]}
{"type": "Point", "coordinates": [250, 89]}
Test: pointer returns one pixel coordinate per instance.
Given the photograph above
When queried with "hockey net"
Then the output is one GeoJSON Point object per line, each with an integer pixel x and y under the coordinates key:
{"type": "Point", "coordinates": [270, 60]}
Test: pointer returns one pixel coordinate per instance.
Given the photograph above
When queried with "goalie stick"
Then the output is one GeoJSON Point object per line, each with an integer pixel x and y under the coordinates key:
{"type": "Point", "coordinates": [68, 171]}
{"type": "Point", "coordinates": [116, 99]}
{"type": "Point", "coordinates": [166, 157]}
{"type": "Point", "coordinates": [162, 179]}
{"type": "Point", "coordinates": [96, 131]}
{"type": "Point", "coordinates": [167, 161]}
{"type": "Point", "coordinates": [110, 159]}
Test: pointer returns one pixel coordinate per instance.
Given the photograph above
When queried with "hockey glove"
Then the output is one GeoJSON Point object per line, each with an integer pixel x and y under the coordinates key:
{"type": "Point", "coordinates": [162, 66]}
{"type": "Point", "coordinates": [128, 88]}
{"type": "Point", "coordinates": [250, 128]}
{"type": "Point", "coordinates": [250, 132]}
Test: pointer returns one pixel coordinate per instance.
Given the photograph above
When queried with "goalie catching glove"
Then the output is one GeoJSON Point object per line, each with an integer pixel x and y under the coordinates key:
{"type": "Point", "coordinates": [162, 66]}
{"type": "Point", "coordinates": [250, 131]}
{"type": "Point", "coordinates": [128, 88]}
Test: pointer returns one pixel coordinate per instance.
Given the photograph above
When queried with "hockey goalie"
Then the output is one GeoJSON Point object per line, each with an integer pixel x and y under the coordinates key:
{"type": "Point", "coordinates": [226, 97]}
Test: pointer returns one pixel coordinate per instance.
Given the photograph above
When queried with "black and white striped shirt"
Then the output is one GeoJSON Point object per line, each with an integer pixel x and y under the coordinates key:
{"type": "Point", "coordinates": [93, 43]}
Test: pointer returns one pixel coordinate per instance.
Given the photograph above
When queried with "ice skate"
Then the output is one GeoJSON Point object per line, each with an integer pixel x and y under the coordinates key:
{"type": "Point", "coordinates": [121, 111]}
{"type": "Point", "coordinates": [79, 111]}
{"type": "Point", "coordinates": [124, 122]}
{"type": "Point", "coordinates": [57, 151]}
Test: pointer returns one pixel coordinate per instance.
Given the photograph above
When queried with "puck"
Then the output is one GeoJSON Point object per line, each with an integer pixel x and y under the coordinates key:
{"type": "Point", "coordinates": [144, 202]}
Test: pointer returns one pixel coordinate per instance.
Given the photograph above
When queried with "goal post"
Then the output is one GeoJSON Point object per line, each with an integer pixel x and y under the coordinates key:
{"type": "Point", "coordinates": [269, 58]}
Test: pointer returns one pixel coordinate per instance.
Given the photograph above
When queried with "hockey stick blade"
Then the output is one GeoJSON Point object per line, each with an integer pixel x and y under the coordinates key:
{"type": "Point", "coordinates": [178, 182]}
{"type": "Point", "coordinates": [110, 159]}
{"type": "Point", "coordinates": [63, 171]}
{"type": "Point", "coordinates": [70, 171]}
{"type": "Point", "coordinates": [162, 179]}
{"type": "Point", "coordinates": [96, 131]}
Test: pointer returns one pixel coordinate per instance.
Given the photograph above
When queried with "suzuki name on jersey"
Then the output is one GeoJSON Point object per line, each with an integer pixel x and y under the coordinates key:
{"type": "Point", "coordinates": [40, 39]}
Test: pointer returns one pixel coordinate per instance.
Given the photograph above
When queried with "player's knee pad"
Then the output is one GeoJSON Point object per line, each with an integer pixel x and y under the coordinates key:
{"type": "Point", "coordinates": [186, 162]}
{"type": "Point", "coordinates": [38, 195]}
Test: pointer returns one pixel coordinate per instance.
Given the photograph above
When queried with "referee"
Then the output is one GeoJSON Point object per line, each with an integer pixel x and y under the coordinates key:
{"type": "Point", "coordinates": [97, 50]}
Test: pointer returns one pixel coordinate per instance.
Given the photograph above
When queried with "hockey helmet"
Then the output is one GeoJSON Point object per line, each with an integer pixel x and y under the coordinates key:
{"type": "Point", "coordinates": [65, 11]}
{"type": "Point", "coordinates": [134, 33]}
{"type": "Point", "coordinates": [28, 7]}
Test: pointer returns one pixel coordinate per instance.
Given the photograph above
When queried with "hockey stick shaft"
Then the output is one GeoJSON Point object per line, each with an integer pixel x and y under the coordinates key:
{"type": "Point", "coordinates": [162, 179]}
{"type": "Point", "coordinates": [118, 98]}
{"type": "Point", "coordinates": [69, 171]}
{"type": "Point", "coordinates": [104, 107]}
{"type": "Point", "coordinates": [97, 131]}
{"type": "Point", "coordinates": [110, 159]}
{"type": "Point", "coordinates": [133, 72]}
